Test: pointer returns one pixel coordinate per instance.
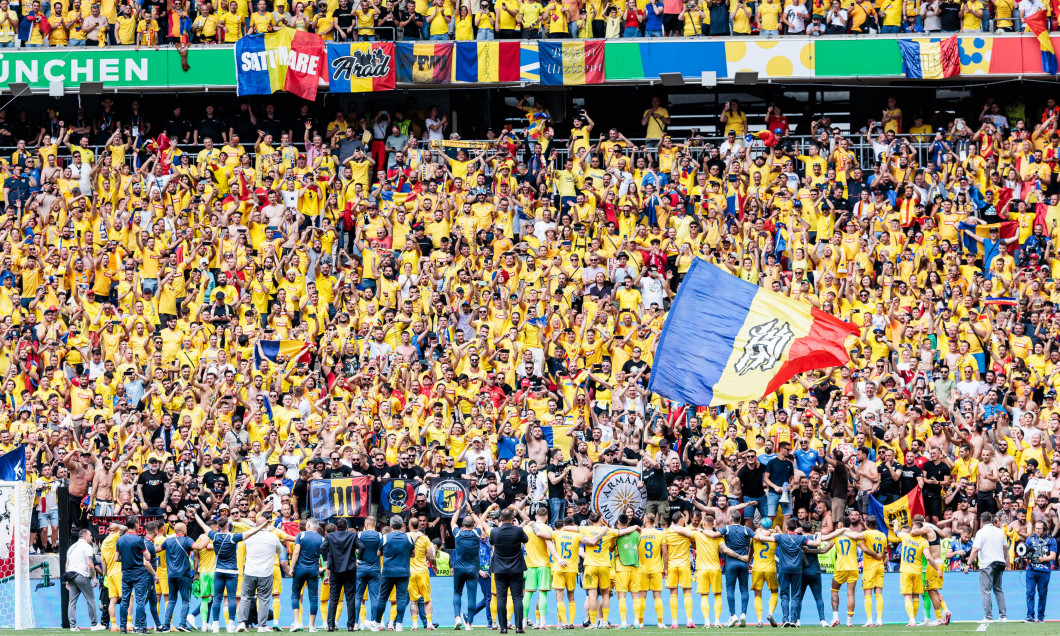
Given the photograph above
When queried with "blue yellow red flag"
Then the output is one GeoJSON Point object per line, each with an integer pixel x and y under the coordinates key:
{"type": "Point", "coordinates": [286, 60]}
{"type": "Point", "coordinates": [271, 350]}
{"type": "Point", "coordinates": [930, 59]}
{"type": "Point", "coordinates": [1038, 25]}
{"type": "Point", "coordinates": [903, 510]}
{"type": "Point", "coordinates": [727, 340]}
{"type": "Point", "coordinates": [1006, 229]}
{"type": "Point", "coordinates": [571, 63]}
{"type": "Point", "coordinates": [488, 61]}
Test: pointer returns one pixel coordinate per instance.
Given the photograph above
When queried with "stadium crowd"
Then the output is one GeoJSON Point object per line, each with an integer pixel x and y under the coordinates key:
{"type": "Point", "coordinates": [153, 22]}
{"type": "Point", "coordinates": [490, 310]}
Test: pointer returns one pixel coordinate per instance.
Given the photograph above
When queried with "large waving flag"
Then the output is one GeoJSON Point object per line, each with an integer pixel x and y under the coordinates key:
{"type": "Point", "coordinates": [1038, 25]}
{"type": "Point", "coordinates": [1006, 229]}
{"type": "Point", "coordinates": [424, 63]}
{"type": "Point", "coordinates": [727, 340]}
{"type": "Point", "coordinates": [903, 510]}
{"type": "Point", "coordinates": [928, 59]}
{"type": "Point", "coordinates": [273, 349]}
{"type": "Point", "coordinates": [492, 61]}
{"type": "Point", "coordinates": [13, 464]}
{"type": "Point", "coordinates": [361, 67]}
{"type": "Point", "coordinates": [557, 437]}
{"type": "Point", "coordinates": [287, 60]}
{"type": "Point", "coordinates": [571, 63]}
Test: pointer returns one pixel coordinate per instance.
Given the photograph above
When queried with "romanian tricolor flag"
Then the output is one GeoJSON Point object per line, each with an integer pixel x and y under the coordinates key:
{"type": "Point", "coordinates": [903, 511]}
{"type": "Point", "coordinates": [571, 63]}
{"type": "Point", "coordinates": [727, 340]}
{"type": "Point", "coordinates": [1039, 26]}
{"type": "Point", "coordinates": [271, 350]}
{"type": "Point", "coordinates": [1006, 229]}
{"type": "Point", "coordinates": [492, 61]}
{"type": "Point", "coordinates": [424, 62]}
{"type": "Point", "coordinates": [287, 60]}
{"type": "Point", "coordinates": [930, 59]}
{"type": "Point", "coordinates": [360, 67]}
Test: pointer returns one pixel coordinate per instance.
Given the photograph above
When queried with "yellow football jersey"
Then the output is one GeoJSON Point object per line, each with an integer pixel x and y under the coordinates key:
{"type": "Point", "coordinates": [598, 555]}
{"type": "Point", "coordinates": [536, 549]}
{"type": "Point", "coordinates": [911, 552]}
{"type": "Point", "coordinates": [707, 557]}
{"type": "Point", "coordinates": [678, 549]}
{"type": "Point", "coordinates": [846, 553]}
{"type": "Point", "coordinates": [651, 542]}
{"type": "Point", "coordinates": [567, 544]}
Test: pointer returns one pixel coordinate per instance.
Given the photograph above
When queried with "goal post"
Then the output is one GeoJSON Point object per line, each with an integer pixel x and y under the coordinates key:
{"type": "Point", "coordinates": [16, 601]}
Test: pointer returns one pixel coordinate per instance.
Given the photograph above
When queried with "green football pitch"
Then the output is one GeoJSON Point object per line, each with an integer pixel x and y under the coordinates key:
{"type": "Point", "coordinates": [998, 629]}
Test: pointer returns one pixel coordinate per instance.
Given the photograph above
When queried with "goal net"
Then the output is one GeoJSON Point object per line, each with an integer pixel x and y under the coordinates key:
{"type": "Point", "coordinates": [16, 508]}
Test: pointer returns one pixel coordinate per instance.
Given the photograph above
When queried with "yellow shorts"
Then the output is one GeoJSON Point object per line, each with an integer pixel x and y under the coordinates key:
{"type": "Point", "coordinates": [114, 585]}
{"type": "Point", "coordinates": [911, 584]}
{"type": "Point", "coordinates": [844, 576]}
{"type": "Point", "coordinates": [419, 586]}
{"type": "Point", "coordinates": [872, 577]}
{"type": "Point", "coordinates": [596, 577]}
{"type": "Point", "coordinates": [564, 580]}
{"type": "Point", "coordinates": [626, 581]}
{"type": "Point", "coordinates": [934, 579]}
{"type": "Point", "coordinates": [649, 582]}
{"type": "Point", "coordinates": [708, 581]}
{"type": "Point", "coordinates": [162, 584]}
{"type": "Point", "coordinates": [679, 576]}
{"type": "Point", "coordinates": [760, 579]}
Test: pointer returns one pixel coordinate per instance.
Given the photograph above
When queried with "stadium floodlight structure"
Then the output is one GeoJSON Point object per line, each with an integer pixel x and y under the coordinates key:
{"type": "Point", "coordinates": [16, 602]}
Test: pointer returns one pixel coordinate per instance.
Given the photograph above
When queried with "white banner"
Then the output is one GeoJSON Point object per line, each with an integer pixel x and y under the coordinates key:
{"type": "Point", "coordinates": [616, 487]}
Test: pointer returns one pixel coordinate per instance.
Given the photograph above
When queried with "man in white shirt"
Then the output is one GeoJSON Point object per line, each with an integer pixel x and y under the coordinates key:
{"type": "Point", "coordinates": [989, 545]}
{"type": "Point", "coordinates": [262, 549]}
{"type": "Point", "coordinates": [79, 568]}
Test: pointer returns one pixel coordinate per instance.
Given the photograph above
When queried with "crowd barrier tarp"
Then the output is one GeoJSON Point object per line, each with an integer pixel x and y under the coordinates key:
{"type": "Point", "coordinates": [362, 66]}
{"type": "Point", "coordinates": [99, 525]}
{"type": "Point", "coordinates": [960, 590]}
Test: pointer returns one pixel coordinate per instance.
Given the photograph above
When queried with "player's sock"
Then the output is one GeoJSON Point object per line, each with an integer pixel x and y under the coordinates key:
{"type": "Point", "coordinates": [573, 611]}
{"type": "Point", "coordinates": [879, 606]}
{"type": "Point", "coordinates": [688, 606]}
{"type": "Point", "coordinates": [916, 605]}
{"type": "Point", "coordinates": [591, 612]}
{"type": "Point", "coordinates": [605, 613]}
{"type": "Point", "coordinates": [659, 611]}
{"type": "Point", "coordinates": [430, 619]}
{"type": "Point", "coordinates": [493, 609]}
{"type": "Point", "coordinates": [561, 609]}
{"type": "Point", "coordinates": [393, 612]}
{"type": "Point", "coordinates": [622, 607]}
{"type": "Point", "coordinates": [704, 606]}
{"type": "Point", "coordinates": [909, 609]}
{"type": "Point", "coordinates": [542, 607]}
{"type": "Point", "coordinates": [774, 597]}
{"type": "Point", "coordinates": [758, 608]}
{"type": "Point", "coordinates": [868, 607]}
{"type": "Point", "coordinates": [276, 607]}
{"type": "Point", "coordinates": [527, 607]}
{"type": "Point", "coordinates": [717, 608]}
{"type": "Point", "coordinates": [673, 606]}
{"type": "Point", "coordinates": [297, 615]}
{"type": "Point", "coordinates": [638, 610]}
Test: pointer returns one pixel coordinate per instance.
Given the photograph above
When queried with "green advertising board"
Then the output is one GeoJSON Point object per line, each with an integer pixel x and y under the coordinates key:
{"type": "Point", "coordinates": [119, 67]}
